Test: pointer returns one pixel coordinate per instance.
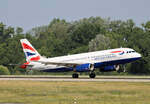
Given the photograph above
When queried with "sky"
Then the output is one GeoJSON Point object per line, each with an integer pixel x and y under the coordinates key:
{"type": "Point", "coordinates": [32, 13]}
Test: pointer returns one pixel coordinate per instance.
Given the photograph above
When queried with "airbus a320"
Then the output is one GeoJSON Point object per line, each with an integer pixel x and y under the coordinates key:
{"type": "Point", "coordinates": [106, 60]}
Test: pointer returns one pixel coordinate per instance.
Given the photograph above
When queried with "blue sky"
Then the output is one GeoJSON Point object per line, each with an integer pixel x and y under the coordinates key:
{"type": "Point", "coordinates": [31, 13]}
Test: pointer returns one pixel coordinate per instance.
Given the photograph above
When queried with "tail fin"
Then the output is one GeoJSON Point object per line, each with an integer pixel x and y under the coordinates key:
{"type": "Point", "coordinates": [30, 52]}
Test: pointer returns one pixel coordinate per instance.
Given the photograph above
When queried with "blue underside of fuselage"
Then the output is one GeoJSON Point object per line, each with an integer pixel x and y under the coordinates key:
{"type": "Point", "coordinates": [96, 65]}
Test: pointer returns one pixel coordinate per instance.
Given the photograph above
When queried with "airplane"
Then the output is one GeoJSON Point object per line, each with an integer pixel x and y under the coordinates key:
{"type": "Point", "coordinates": [106, 60]}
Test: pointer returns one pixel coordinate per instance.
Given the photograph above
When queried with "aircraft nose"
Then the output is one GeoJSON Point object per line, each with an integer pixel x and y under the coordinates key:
{"type": "Point", "coordinates": [139, 55]}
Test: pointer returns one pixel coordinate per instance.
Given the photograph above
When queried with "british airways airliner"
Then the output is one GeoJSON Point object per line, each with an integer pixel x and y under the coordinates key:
{"type": "Point", "coordinates": [106, 60]}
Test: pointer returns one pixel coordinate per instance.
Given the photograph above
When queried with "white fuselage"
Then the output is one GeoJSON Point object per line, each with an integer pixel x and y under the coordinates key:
{"type": "Point", "coordinates": [124, 55]}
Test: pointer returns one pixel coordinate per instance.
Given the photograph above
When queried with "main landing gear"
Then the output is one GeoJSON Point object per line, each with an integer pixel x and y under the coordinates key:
{"type": "Point", "coordinates": [91, 75]}
{"type": "Point", "coordinates": [75, 75]}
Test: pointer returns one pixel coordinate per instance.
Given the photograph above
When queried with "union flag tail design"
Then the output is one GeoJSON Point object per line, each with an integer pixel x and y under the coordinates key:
{"type": "Point", "coordinates": [30, 52]}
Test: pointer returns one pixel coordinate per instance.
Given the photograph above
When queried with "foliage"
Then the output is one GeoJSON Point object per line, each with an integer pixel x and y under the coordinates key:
{"type": "Point", "coordinates": [4, 70]}
{"type": "Point", "coordinates": [101, 42]}
{"type": "Point", "coordinates": [60, 37]}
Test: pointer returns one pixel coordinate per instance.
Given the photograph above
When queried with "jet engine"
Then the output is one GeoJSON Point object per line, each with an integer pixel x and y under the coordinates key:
{"type": "Point", "coordinates": [110, 68]}
{"type": "Point", "coordinates": [83, 67]}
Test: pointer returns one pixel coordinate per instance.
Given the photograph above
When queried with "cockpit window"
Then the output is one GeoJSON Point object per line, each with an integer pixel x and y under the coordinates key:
{"type": "Point", "coordinates": [130, 51]}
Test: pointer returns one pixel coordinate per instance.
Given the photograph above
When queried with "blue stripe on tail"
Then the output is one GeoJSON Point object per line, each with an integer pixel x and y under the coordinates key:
{"type": "Point", "coordinates": [30, 54]}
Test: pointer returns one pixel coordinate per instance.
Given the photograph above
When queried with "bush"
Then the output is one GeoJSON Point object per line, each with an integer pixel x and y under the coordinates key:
{"type": "Point", "coordinates": [4, 70]}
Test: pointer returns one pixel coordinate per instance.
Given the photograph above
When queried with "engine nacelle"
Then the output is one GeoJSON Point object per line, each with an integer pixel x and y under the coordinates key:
{"type": "Point", "coordinates": [83, 67]}
{"type": "Point", "coordinates": [109, 68]}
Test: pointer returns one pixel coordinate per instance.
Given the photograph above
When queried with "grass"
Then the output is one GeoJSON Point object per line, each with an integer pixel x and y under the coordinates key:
{"type": "Point", "coordinates": [36, 92]}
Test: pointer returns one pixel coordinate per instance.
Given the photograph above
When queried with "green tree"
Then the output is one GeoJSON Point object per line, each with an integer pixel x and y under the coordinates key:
{"type": "Point", "coordinates": [101, 42]}
{"type": "Point", "coordinates": [4, 70]}
{"type": "Point", "coordinates": [19, 30]}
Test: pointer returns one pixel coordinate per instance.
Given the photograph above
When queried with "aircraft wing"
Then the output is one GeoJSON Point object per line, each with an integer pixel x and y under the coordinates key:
{"type": "Point", "coordinates": [60, 63]}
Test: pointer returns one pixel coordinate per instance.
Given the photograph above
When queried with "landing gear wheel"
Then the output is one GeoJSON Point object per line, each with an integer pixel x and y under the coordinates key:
{"type": "Point", "coordinates": [75, 75]}
{"type": "Point", "coordinates": [92, 75]}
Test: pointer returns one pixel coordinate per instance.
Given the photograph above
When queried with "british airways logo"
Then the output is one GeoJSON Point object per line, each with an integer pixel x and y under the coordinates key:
{"type": "Point", "coordinates": [118, 52]}
{"type": "Point", "coordinates": [30, 54]}
{"type": "Point", "coordinates": [26, 46]}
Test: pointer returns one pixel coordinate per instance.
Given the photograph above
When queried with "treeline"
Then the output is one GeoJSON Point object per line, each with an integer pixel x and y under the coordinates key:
{"type": "Point", "coordinates": [61, 37]}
